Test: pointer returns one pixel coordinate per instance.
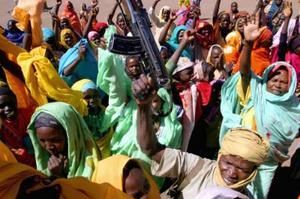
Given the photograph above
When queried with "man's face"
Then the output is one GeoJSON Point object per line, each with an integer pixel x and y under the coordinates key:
{"type": "Point", "coordinates": [234, 7]}
{"type": "Point", "coordinates": [235, 169]}
{"type": "Point", "coordinates": [225, 21]}
{"type": "Point", "coordinates": [133, 67]}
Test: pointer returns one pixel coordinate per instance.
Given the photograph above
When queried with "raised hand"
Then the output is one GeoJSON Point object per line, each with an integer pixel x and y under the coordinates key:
{"type": "Point", "coordinates": [103, 43]}
{"type": "Point", "coordinates": [95, 11]}
{"type": "Point", "coordinates": [252, 30]}
{"type": "Point", "coordinates": [189, 35]}
{"type": "Point", "coordinates": [82, 50]}
{"type": "Point", "coordinates": [288, 9]}
{"type": "Point", "coordinates": [143, 90]}
{"type": "Point", "coordinates": [173, 15]}
{"type": "Point", "coordinates": [58, 2]}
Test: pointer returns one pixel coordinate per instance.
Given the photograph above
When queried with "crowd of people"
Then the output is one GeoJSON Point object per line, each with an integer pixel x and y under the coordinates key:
{"type": "Point", "coordinates": [81, 121]}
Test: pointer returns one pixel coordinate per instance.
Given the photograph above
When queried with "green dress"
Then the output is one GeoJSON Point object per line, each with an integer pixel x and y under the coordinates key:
{"type": "Point", "coordinates": [112, 75]}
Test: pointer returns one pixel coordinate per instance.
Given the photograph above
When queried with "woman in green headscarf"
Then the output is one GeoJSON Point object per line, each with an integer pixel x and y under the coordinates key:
{"type": "Point", "coordinates": [175, 39]}
{"type": "Point", "coordinates": [124, 141]}
{"type": "Point", "coordinates": [63, 144]}
{"type": "Point", "coordinates": [268, 105]}
{"type": "Point", "coordinates": [100, 120]}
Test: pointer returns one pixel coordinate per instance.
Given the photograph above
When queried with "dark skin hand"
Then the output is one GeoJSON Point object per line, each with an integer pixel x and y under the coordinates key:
{"type": "Point", "coordinates": [88, 26]}
{"type": "Point", "coordinates": [165, 30]}
{"type": "Point", "coordinates": [146, 137]}
{"type": "Point", "coordinates": [56, 165]}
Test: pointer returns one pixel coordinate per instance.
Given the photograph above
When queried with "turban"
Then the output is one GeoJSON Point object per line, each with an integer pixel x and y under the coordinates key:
{"type": "Point", "coordinates": [247, 144]}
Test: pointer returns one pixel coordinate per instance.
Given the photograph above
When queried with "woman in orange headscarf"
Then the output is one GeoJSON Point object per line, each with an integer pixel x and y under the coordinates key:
{"type": "Point", "coordinates": [260, 56]}
{"type": "Point", "coordinates": [69, 13]}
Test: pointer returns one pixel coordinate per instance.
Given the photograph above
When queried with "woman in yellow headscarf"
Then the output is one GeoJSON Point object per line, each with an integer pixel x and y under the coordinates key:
{"type": "Point", "coordinates": [67, 38]}
{"type": "Point", "coordinates": [126, 174]}
{"type": "Point", "coordinates": [234, 42]}
{"type": "Point", "coordinates": [99, 121]}
{"type": "Point", "coordinates": [20, 181]}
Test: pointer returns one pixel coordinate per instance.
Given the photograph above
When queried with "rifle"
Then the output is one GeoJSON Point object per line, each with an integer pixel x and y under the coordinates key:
{"type": "Point", "coordinates": [142, 43]}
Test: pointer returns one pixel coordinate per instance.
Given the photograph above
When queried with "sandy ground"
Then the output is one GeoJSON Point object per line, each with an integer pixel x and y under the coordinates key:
{"type": "Point", "coordinates": [106, 6]}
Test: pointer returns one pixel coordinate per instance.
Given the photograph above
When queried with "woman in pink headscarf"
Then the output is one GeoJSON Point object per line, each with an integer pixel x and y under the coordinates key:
{"type": "Point", "coordinates": [69, 13]}
{"type": "Point", "coordinates": [289, 48]}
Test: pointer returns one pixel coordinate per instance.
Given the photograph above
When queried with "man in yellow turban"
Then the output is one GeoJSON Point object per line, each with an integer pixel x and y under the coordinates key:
{"type": "Point", "coordinates": [242, 151]}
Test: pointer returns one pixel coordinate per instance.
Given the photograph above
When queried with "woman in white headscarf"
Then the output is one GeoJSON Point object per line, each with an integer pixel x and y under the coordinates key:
{"type": "Point", "coordinates": [160, 20]}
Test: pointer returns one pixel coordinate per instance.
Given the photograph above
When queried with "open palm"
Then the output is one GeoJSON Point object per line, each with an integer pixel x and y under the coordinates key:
{"type": "Point", "coordinates": [252, 31]}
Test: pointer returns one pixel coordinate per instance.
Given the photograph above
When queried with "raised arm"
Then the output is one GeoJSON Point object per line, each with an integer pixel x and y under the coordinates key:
{"type": "Point", "coordinates": [165, 30]}
{"type": "Point", "coordinates": [216, 11]}
{"type": "Point", "coordinates": [282, 49]}
{"type": "Point", "coordinates": [54, 12]}
{"type": "Point", "coordinates": [145, 133]}
{"type": "Point", "coordinates": [93, 14]}
{"type": "Point", "coordinates": [251, 32]}
{"type": "Point", "coordinates": [152, 14]}
{"type": "Point", "coordinates": [71, 68]}
{"type": "Point", "coordinates": [187, 38]}
{"type": "Point", "coordinates": [259, 8]}
{"type": "Point", "coordinates": [111, 15]}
